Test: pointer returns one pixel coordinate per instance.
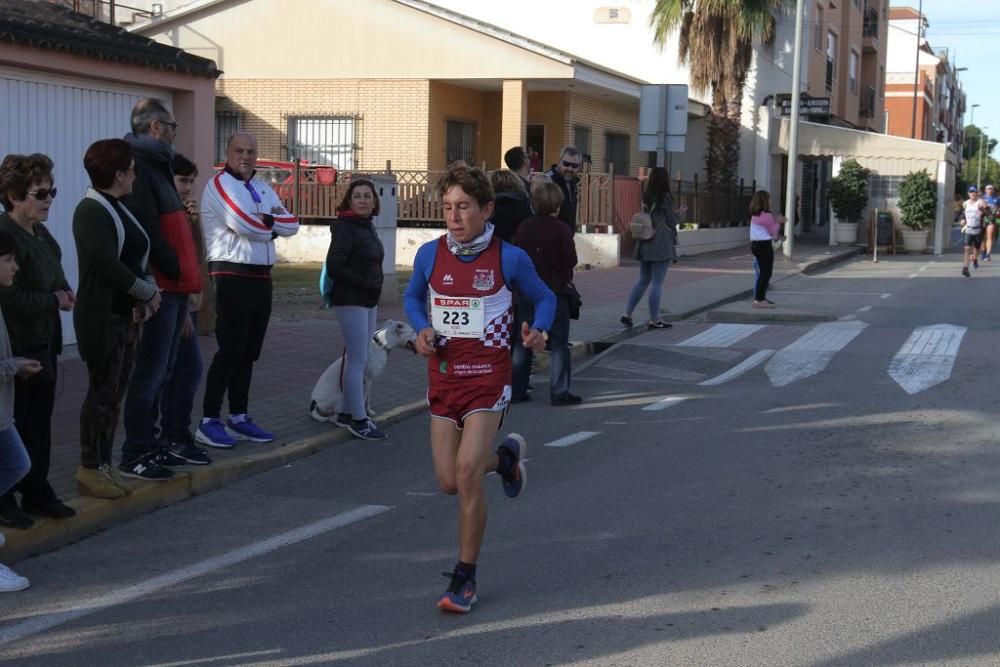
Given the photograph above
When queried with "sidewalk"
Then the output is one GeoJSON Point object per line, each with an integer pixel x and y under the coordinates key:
{"type": "Point", "coordinates": [296, 352]}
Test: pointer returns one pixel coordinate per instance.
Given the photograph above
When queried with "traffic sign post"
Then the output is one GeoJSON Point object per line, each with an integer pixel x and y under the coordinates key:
{"type": "Point", "coordinates": [663, 111]}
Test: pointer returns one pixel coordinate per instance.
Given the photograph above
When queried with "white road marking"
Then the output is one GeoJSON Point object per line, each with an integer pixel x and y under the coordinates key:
{"type": "Point", "coordinates": [80, 608]}
{"type": "Point", "coordinates": [847, 318]}
{"type": "Point", "coordinates": [722, 335]}
{"type": "Point", "coordinates": [572, 439]}
{"type": "Point", "coordinates": [927, 357]}
{"type": "Point", "coordinates": [664, 372]}
{"type": "Point", "coordinates": [754, 360]}
{"type": "Point", "coordinates": [425, 494]}
{"type": "Point", "coordinates": [886, 296]}
{"type": "Point", "coordinates": [912, 275]}
{"type": "Point", "coordinates": [665, 403]}
{"type": "Point", "coordinates": [811, 353]}
{"type": "Point", "coordinates": [863, 309]}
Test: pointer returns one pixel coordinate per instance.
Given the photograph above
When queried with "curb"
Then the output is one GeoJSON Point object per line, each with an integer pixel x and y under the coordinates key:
{"type": "Point", "coordinates": [95, 515]}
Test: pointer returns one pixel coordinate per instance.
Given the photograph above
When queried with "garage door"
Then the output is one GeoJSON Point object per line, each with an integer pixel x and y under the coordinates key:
{"type": "Point", "coordinates": [61, 117]}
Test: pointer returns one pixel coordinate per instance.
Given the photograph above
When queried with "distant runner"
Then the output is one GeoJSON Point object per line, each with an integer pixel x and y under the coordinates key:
{"type": "Point", "coordinates": [975, 210]}
{"type": "Point", "coordinates": [993, 201]}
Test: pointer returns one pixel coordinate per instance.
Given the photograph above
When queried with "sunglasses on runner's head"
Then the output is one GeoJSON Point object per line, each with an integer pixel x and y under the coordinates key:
{"type": "Point", "coordinates": [571, 165]}
{"type": "Point", "coordinates": [41, 194]}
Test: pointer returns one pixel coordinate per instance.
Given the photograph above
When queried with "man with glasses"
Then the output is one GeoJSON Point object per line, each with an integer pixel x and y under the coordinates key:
{"type": "Point", "coordinates": [564, 174]}
{"type": "Point", "coordinates": [174, 259]}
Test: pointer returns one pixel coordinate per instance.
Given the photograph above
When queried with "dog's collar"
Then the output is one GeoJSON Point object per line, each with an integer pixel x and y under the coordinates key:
{"type": "Point", "coordinates": [380, 344]}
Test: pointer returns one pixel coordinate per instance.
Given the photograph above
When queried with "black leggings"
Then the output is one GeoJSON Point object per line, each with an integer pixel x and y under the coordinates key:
{"type": "Point", "coordinates": [763, 264]}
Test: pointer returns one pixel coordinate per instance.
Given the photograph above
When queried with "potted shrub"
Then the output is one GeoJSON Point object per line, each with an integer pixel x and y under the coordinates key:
{"type": "Point", "coordinates": [848, 195]}
{"type": "Point", "coordinates": [917, 208]}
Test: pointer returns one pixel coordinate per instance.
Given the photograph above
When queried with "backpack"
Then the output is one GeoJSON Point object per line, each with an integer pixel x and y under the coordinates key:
{"type": "Point", "coordinates": [642, 226]}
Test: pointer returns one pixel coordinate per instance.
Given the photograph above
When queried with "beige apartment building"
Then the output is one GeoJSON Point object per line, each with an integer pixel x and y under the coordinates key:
{"type": "Point", "coordinates": [356, 84]}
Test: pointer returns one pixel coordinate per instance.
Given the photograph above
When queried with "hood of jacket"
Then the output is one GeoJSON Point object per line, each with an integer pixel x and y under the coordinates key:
{"type": "Point", "coordinates": [148, 148]}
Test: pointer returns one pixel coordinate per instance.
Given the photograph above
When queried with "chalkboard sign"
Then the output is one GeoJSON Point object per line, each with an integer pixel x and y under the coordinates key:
{"type": "Point", "coordinates": [882, 231]}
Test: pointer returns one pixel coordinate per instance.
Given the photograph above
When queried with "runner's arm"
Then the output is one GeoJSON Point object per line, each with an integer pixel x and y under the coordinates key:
{"type": "Point", "coordinates": [519, 272]}
{"type": "Point", "coordinates": [415, 296]}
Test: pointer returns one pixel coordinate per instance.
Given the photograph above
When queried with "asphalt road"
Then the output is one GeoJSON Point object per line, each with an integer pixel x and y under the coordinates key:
{"type": "Point", "coordinates": [834, 504]}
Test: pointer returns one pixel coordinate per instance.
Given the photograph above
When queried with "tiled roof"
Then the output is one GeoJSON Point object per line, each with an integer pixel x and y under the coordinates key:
{"type": "Point", "coordinates": [46, 25]}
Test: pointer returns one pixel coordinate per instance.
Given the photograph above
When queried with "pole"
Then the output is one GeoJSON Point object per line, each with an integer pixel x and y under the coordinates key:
{"type": "Point", "coordinates": [979, 169]}
{"type": "Point", "coordinates": [793, 136]}
{"type": "Point", "coordinates": [916, 68]}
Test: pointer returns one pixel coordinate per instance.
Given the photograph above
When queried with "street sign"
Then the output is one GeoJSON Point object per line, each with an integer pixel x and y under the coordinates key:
{"type": "Point", "coordinates": [663, 113]}
{"type": "Point", "coordinates": [808, 106]}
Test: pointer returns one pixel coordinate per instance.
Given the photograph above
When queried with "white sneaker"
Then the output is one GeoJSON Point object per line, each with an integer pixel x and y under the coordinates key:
{"type": "Point", "coordinates": [11, 581]}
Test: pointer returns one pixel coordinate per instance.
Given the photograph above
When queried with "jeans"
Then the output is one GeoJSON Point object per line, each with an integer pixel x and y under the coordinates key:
{"type": "Point", "coordinates": [33, 404]}
{"type": "Point", "coordinates": [652, 275]}
{"type": "Point", "coordinates": [107, 380]}
{"type": "Point", "coordinates": [242, 312]}
{"type": "Point", "coordinates": [559, 359]}
{"type": "Point", "coordinates": [763, 266]}
{"type": "Point", "coordinates": [14, 461]}
{"type": "Point", "coordinates": [153, 365]}
{"type": "Point", "coordinates": [177, 400]}
{"type": "Point", "coordinates": [357, 323]}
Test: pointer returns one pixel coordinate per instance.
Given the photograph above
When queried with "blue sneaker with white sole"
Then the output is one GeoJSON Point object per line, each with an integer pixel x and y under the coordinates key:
{"type": "Point", "coordinates": [248, 430]}
{"type": "Point", "coordinates": [213, 433]}
{"type": "Point", "coordinates": [460, 596]}
{"type": "Point", "coordinates": [516, 479]}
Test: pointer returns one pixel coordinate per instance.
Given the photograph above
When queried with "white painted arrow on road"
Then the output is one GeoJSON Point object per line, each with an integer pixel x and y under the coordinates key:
{"type": "Point", "coordinates": [927, 357]}
{"type": "Point", "coordinates": [811, 353]}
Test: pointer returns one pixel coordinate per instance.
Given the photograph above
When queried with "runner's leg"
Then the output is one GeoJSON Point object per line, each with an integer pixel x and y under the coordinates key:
{"type": "Point", "coordinates": [475, 458]}
{"type": "Point", "coordinates": [445, 440]}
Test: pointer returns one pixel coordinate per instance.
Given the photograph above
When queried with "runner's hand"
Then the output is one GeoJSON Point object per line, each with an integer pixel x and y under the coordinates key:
{"type": "Point", "coordinates": [27, 367]}
{"type": "Point", "coordinates": [532, 338]}
{"type": "Point", "coordinates": [425, 342]}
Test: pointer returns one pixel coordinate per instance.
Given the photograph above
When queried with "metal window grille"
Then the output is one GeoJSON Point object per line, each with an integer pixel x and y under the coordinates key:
{"type": "Point", "coordinates": [327, 141]}
{"type": "Point", "coordinates": [460, 141]}
{"type": "Point", "coordinates": [616, 151]}
{"type": "Point", "coordinates": [227, 123]}
{"type": "Point", "coordinates": [581, 138]}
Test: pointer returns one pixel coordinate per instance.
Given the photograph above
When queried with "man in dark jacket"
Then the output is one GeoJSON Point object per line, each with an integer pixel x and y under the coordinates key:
{"type": "Point", "coordinates": [173, 257]}
{"type": "Point", "coordinates": [564, 174]}
{"type": "Point", "coordinates": [517, 161]}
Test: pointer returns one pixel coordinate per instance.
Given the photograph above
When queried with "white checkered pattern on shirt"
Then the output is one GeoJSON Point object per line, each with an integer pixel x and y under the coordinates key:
{"type": "Point", "coordinates": [498, 331]}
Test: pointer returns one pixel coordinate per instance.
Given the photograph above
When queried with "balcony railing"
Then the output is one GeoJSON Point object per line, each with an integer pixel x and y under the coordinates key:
{"type": "Point", "coordinates": [829, 75]}
{"type": "Point", "coordinates": [867, 106]}
{"type": "Point", "coordinates": [870, 28]}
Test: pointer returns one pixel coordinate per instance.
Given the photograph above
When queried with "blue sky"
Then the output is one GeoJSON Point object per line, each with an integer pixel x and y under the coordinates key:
{"type": "Point", "coordinates": [970, 30]}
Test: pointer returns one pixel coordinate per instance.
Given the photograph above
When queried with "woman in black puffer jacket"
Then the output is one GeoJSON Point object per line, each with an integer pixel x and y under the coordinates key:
{"type": "Point", "coordinates": [354, 265]}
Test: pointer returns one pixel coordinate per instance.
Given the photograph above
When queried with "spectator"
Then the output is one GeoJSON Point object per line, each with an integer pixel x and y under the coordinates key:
{"type": "Point", "coordinates": [116, 294]}
{"type": "Point", "coordinates": [655, 254]}
{"type": "Point", "coordinates": [174, 260]}
{"type": "Point", "coordinates": [14, 463]}
{"type": "Point", "coordinates": [551, 248]}
{"type": "Point", "coordinates": [764, 228]}
{"type": "Point", "coordinates": [511, 205]}
{"type": "Point", "coordinates": [32, 304]}
{"type": "Point", "coordinates": [354, 264]}
{"type": "Point", "coordinates": [534, 159]}
{"type": "Point", "coordinates": [564, 174]}
{"type": "Point", "coordinates": [182, 384]}
{"type": "Point", "coordinates": [517, 161]}
{"type": "Point", "coordinates": [241, 215]}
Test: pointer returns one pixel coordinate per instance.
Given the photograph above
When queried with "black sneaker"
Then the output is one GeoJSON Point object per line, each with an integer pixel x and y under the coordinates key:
{"type": "Point", "coordinates": [189, 453]}
{"type": "Point", "coordinates": [566, 399]}
{"type": "Point", "coordinates": [50, 507]}
{"type": "Point", "coordinates": [965, 271]}
{"type": "Point", "coordinates": [166, 457]}
{"type": "Point", "coordinates": [11, 515]}
{"type": "Point", "coordinates": [366, 429]}
{"type": "Point", "coordinates": [146, 467]}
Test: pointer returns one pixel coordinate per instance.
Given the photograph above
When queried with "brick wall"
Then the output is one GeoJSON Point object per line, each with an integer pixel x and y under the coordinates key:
{"type": "Point", "coordinates": [391, 115]}
{"type": "Point", "coordinates": [601, 117]}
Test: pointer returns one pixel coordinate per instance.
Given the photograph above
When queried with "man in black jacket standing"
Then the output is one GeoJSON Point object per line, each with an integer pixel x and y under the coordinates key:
{"type": "Point", "coordinates": [564, 174]}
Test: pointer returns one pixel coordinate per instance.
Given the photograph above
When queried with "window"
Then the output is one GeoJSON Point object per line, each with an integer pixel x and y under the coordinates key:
{"type": "Point", "coordinates": [880, 84]}
{"type": "Point", "coordinates": [852, 72]}
{"type": "Point", "coordinates": [831, 60]}
{"type": "Point", "coordinates": [460, 141]}
{"type": "Point", "coordinates": [328, 141]}
{"type": "Point", "coordinates": [581, 138]}
{"type": "Point", "coordinates": [616, 151]}
{"type": "Point", "coordinates": [227, 123]}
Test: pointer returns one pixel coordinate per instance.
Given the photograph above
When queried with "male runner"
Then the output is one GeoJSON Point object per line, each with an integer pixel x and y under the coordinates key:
{"type": "Point", "coordinates": [993, 201]}
{"type": "Point", "coordinates": [974, 209]}
{"type": "Point", "coordinates": [469, 276]}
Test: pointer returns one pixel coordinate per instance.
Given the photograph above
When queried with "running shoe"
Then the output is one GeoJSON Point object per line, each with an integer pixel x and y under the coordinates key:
{"type": "Point", "coordinates": [342, 420]}
{"type": "Point", "coordinates": [247, 430]}
{"type": "Point", "coordinates": [11, 581]}
{"type": "Point", "coordinates": [517, 478]}
{"type": "Point", "coordinates": [460, 596]}
{"type": "Point", "coordinates": [965, 271]}
{"type": "Point", "coordinates": [186, 450]}
{"type": "Point", "coordinates": [146, 467]}
{"type": "Point", "coordinates": [366, 429]}
{"type": "Point", "coordinates": [975, 263]}
{"type": "Point", "coordinates": [660, 324]}
{"type": "Point", "coordinates": [213, 433]}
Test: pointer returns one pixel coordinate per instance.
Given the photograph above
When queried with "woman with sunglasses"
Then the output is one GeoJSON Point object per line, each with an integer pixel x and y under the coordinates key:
{"type": "Point", "coordinates": [32, 305]}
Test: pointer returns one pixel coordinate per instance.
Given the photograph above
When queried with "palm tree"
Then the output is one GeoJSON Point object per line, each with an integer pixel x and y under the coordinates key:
{"type": "Point", "coordinates": [716, 42]}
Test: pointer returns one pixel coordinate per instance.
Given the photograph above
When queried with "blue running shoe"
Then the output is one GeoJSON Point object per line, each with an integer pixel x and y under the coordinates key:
{"type": "Point", "coordinates": [213, 433]}
{"type": "Point", "coordinates": [460, 596]}
{"type": "Point", "coordinates": [515, 481]}
{"type": "Point", "coordinates": [247, 430]}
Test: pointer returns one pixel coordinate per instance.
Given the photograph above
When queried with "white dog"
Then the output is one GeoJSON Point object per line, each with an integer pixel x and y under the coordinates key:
{"type": "Point", "coordinates": [328, 394]}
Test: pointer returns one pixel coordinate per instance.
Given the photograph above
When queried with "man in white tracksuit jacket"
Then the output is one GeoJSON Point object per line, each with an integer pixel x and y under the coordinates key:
{"type": "Point", "coordinates": [241, 216]}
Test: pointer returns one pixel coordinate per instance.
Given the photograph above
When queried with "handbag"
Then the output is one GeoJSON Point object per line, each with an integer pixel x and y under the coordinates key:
{"type": "Point", "coordinates": [575, 301]}
{"type": "Point", "coordinates": [42, 353]}
{"type": "Point", "coordinates": [641, 226]}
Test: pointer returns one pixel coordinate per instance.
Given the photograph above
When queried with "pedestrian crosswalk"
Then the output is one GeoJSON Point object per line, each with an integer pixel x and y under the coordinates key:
{"type": "Point", "coordinates": [714, 354]}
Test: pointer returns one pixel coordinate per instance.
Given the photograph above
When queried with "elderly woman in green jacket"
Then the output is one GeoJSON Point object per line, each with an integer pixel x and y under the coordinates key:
{"type": "Point", "coordinates": [32, 306]}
